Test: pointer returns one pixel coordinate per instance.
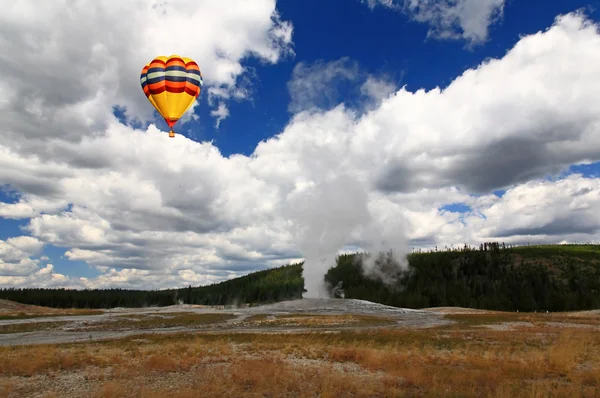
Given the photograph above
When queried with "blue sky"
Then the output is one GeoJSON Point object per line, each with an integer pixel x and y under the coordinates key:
{"type": "Point", "coordinates": [380, 42]}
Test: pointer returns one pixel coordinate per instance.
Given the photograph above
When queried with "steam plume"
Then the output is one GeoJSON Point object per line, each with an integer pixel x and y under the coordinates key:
{"type": "Point", "coordinates": [326, 217]}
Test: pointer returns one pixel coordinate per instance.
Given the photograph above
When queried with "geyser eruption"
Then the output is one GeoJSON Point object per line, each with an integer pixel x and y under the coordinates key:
{"type": "Point", "coordinates": [326, 216]}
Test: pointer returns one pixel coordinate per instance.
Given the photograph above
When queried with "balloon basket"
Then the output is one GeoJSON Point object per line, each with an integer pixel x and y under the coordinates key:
{"type": "Point", "coordinates": [171, 134]}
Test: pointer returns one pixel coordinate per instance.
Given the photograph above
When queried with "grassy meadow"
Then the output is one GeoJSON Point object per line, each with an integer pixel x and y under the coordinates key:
{"type": "Point", "coordinates": [481, 355]}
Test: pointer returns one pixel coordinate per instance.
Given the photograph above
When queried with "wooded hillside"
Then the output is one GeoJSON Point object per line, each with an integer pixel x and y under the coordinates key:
{"type": "Point", "coordinates": [528, 278]}
{"type": "Point", "coordinates": [537, 278]}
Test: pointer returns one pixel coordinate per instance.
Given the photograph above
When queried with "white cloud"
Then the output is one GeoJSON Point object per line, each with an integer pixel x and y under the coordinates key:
{"type": "Point", "coordinates": [314, 85]}
{"type": "Point", "coordinates": [510, 120]}
{"type": "Point", "coordinates": [26, 244]}
{"type": "Point", "coordinates": [467, 20]}
{"type": "Point", "coordinates": [539, 211]}
{"type": "Point", "coordinates": [568, 209]}
{"type": "Point", "coordinates": [41, 277]}
{"type": "Point", "coordinates": [66, 64]}
{"type": "Point", "coordinates": [321, 85]}
{"type": "Point", "coordinates": [378, 88]}
{"type": "Point", "coordinates": [221, 113]}
{"type": "Point", "coordinates": [150, 211]}
{"type": "Point", "coordinates": [15, 256]}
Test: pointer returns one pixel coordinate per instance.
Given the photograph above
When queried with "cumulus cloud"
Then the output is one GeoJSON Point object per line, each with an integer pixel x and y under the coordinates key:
{"type": "Point", "coordinates": [15, 256]}
{"type": "Point", "coordinates": [151, 211]}
{"type": "Point", "coordinates": [467, 20]}
{"type": "Point", "coordinates": [40, 277]}
{"type": "Point", "coordinates": [64, 70]}
{"type": "Point", "coordinates": [505, 122]}
{"type": "Point", "coordinates": [567, 209]}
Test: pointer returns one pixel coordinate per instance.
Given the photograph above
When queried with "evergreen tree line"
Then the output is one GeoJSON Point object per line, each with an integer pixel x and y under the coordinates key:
{"type": "Point", "coordinates": [278, 284]}
{"type": "Point", "coordinates": [490, 276]}
{"type": "Point", "coordinates": [493, 276]}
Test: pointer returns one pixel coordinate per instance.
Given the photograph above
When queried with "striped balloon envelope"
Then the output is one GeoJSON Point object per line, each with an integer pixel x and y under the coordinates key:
{"type": "Point", "coordinates": [171, 84]}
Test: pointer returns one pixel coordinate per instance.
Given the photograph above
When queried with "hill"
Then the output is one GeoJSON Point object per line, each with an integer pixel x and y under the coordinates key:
{"type": "Point", "coordinates": [272, 285]}
{"type": "Point", "coordinates": [492, 276]}
{"type": "Point", "coordinates": [10, 310]}
{"type": "Point", "coordinates": [11, 307]}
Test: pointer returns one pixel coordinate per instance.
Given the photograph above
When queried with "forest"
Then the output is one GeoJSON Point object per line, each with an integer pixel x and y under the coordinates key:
{"type": "Point", "coordinates": [491, 276]}
{"type": "Point", "coordinates": [276, 284]}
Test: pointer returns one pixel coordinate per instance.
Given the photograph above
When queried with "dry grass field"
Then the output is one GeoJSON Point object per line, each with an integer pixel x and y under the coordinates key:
{"type": "Point", "coordinates": [479, 354]}
{"type": "Point", "coordinates": [11, 310]}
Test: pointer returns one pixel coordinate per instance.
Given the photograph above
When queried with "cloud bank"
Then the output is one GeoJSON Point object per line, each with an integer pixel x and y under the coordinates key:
{"type": "Point", "coordinates": [149, 211]}
{"type": "Point", "coordinates": [65, 64]}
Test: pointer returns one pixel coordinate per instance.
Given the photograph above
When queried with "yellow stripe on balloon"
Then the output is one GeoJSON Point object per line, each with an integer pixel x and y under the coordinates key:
{"type": "Point", "coordinates": [171, 84]}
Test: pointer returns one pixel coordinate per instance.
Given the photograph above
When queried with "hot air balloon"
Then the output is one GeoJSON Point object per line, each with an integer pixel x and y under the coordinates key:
{"type": "Point", "coordinates": [171, 84]}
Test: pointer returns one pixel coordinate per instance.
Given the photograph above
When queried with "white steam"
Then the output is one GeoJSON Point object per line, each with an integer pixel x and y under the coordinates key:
{"type": "Point", "coordinates": [385, 242]}
{"type": "Point", "coordinates": [326, 217]}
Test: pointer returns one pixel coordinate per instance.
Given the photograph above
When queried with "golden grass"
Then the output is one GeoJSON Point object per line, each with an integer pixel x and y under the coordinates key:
{"type": "Point", "coordinates": [459, 360]}
{"type": "Point", "coordinates": [476, 320]}
{"type": "Point", "coordinates": [14, 310]}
